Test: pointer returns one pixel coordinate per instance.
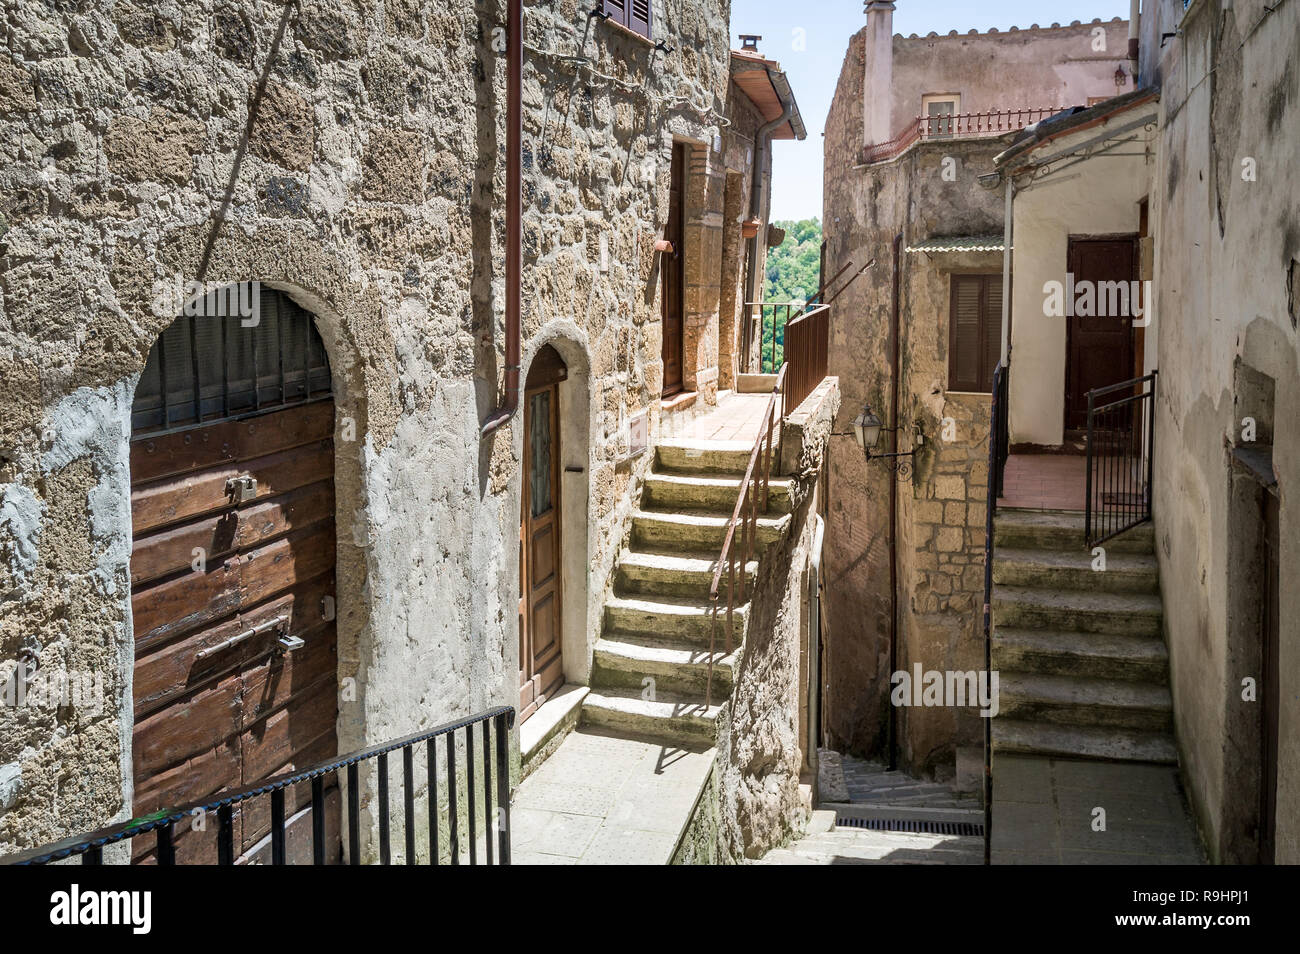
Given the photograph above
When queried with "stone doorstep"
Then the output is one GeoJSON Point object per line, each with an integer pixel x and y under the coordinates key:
{"type": "Point", "coordinates": [555, 718]}
{"type": "Point", "coordinates": [679, 402]}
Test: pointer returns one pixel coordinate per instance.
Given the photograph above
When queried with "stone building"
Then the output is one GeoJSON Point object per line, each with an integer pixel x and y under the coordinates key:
{"type": "Point", "coordinates": [256, 312]}
{"type": "Point", "coordinates": [1194, 173]}
{"type": "Point", "coordinates": [914, 123]}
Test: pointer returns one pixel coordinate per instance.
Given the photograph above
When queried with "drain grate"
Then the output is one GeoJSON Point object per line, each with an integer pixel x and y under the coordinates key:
{"type": "Point", "coordinates": [910, 825]}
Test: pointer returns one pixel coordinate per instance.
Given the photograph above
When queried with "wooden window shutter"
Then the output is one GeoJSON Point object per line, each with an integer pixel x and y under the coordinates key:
{"type": "Point", "coordinates": [974, 332]}
{"type": "Point", "coordinates": [638, 17]}
{"type": "Point", "coordinates": [992, 318]}
{"type": "Point", "coordinates": [617, 10]}
{"type": "Point", "coordinates": [965, 334]}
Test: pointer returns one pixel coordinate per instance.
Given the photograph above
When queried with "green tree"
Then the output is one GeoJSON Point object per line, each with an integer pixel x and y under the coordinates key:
{"type": "Point", "coordinates": [793, 274]}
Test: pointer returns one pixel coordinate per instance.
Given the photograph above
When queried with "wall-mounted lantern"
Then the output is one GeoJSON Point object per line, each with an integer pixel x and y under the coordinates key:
{"type": "Point", "coordinates": [1121, 77]}
{"type": "Point", "coordinates": [867, 428]}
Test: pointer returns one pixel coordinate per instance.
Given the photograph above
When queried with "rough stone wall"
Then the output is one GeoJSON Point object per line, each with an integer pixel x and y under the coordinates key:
{"type": "Point", "coordinates": [1227, 291]}
{"type": "Point", "coordinates": [760, 745]}
{"type": "Point", "coordinates": [368, 183]}
{"type": "Point", "coordinates": [941, 511]}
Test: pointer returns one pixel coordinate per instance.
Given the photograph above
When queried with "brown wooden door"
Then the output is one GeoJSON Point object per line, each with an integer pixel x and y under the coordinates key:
{"type": "Point", "coordinates": [541, 668]}
{"type": "Point", "coordinates": [1270, 681]}
{"type": "Point", "coordinates": [1100, 349]}
{"type": "Point", "coordinates": [219, 703]}
{"type": "Point", "coordinates": [673, 269]}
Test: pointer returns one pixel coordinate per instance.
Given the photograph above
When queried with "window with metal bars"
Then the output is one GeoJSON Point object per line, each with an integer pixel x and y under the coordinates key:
{"type": "Point", "coordinates": [974, 332]}
{"type": "Point", "coordinates": [633, 14]}
{"type": "Point", "coordinates": [205, 369]}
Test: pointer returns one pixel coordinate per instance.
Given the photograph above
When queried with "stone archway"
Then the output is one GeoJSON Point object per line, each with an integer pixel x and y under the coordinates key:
{"type": "Point", "coordinates": [580, 615]}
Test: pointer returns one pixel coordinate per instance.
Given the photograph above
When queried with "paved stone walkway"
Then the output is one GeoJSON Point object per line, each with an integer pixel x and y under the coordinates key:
{"type": "Point", "coordinates": [606, 800]}
{"type": "Point", "coordinates": [1045, 482]}
{"type": "Point", "coordinates": [1043, 813]}
{"type": "Point", "coordinates": [737, 417]}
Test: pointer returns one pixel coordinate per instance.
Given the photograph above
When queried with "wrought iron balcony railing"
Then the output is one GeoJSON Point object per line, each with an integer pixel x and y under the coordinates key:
{"type": "Point", "coordinates": [956, 126]}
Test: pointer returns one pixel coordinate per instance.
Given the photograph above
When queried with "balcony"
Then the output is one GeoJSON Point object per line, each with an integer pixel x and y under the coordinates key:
{"type": "Point", "coordinates": [958, 126]}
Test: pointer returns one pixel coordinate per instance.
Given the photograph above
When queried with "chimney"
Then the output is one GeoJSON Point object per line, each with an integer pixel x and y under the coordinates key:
{"type": "Point", "coordinates": [877, 88]}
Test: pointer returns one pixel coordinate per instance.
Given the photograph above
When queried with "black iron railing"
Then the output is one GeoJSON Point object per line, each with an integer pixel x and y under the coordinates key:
{"type": "Point", "coordinates": [491, 753]}
{"type": "Point", "coordinates": [777, 317]}
{"type": "Point", "coordinates": [774, 318]}
{"type": "Point", "coordinates": [998, 444]}
{"type": "Point", "coordinates": [1000, 436]}
{"type": "Point", "coordinates": [1121, 444]}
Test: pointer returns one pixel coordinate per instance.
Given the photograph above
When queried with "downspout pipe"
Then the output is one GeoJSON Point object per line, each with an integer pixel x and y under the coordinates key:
{"type": "Point", "coordinates": [1008, 235]}
{"type": "Point", "coordinates": [1134, 32]}
{"type": "Point", "coordinates": [514, 211]}
{"type": "Point", "coordinates": [894, 372]}
{"type": "Point", "coordinates": [815, 641]}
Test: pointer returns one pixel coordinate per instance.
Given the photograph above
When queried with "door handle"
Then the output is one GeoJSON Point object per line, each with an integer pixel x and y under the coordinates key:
{"type": "Point", "coordinates": [279, 622]}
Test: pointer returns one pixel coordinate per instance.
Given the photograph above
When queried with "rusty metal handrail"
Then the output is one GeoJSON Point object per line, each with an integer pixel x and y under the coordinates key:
{"type": "Point", "coordinates": [745, 515]}
{"type": "Point", "coordinates": [807, 346]}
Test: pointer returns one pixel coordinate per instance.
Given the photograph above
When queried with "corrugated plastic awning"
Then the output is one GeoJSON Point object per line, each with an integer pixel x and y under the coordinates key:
{"type": "Point", "coordinates": [960, 243]}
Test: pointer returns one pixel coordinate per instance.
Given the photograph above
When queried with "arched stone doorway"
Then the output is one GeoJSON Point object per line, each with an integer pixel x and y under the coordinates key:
{"type": "Point", "coordinates": [233, 566]}
{"type": "Point", "coordinates": [541, 662]}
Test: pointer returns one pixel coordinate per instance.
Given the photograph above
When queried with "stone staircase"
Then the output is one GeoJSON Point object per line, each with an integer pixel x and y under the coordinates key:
{"type": "Point", "coordinates": [855, 792]}
{"type": "Point", "coordinates": [1084, 671]}
{"type": "Point", "coordinates": [657, 621]}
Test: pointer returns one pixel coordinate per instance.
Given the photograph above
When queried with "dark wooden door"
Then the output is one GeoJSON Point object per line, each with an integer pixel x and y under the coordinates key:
{"type": "Point", "coordinates": [673, 271]}
{"type": "Point", "coordinates": [219, 574]}
{"type": "Point", "coordinates": [541, 667]}
{"type": "Point", "coordinates": [1099, 349]}
{"type": "Point", "coordinates": [1270, 681]}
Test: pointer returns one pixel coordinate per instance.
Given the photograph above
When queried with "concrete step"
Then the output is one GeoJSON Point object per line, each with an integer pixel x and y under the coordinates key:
{"type": "Point", "coordinates": [1095, 655]}
{"type": "Point", "coordinates": [709, 493]}
{"type": "Point", "coordinates": [1124, 614]}
{"type": "Point", "coordinates": [626, 661]}
{"type": "Point", "coordinates": [670, 617]}
{"type": "Point", "coordinates": [669, 718]}
{"type": "Point", "coordinates": [849, 846]}
{"type": "Point", "coordinates": [1059, 530]}
{"type": "Point", "coordinates": [1082, 742]}
{"type": "Point", "coordinates": [692, 532]}
{"type": "Point", "coordinates": [1072, 570]}
{"type": "Point", "coordinates": [1074, 701]}
{"type": "Point", "coordinates": [703, 457]}
{"type": "Point", "coordinates": [670, 573]}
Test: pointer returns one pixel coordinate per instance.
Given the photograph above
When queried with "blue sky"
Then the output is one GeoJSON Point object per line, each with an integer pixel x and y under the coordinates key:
{"type": "Point", "coordinates": [814, 69]}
